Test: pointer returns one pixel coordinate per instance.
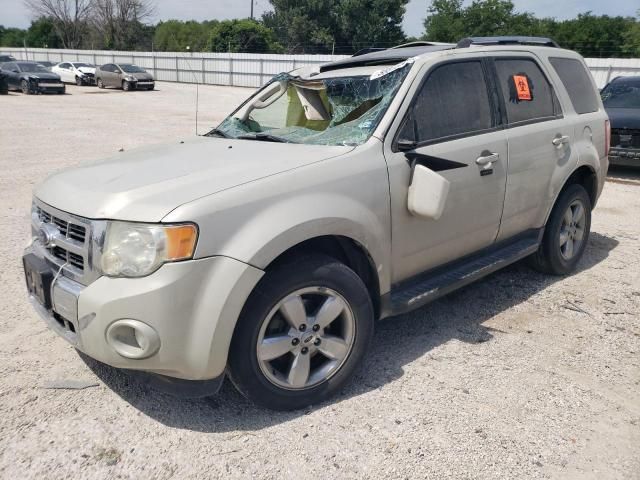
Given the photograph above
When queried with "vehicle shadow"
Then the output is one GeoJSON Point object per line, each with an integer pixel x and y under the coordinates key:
{"type": "Point", "coordinates": [397, 342]}
{"type": "Point", "coordinates": [623, 172]}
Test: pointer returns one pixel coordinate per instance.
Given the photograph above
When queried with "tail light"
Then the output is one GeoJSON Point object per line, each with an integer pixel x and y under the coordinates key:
{"type": "Point", "coordinates": [607, 137]}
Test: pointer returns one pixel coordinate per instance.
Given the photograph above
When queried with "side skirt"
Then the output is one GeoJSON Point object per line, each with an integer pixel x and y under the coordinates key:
{"type": "Point", "coordinates": [428, 286]}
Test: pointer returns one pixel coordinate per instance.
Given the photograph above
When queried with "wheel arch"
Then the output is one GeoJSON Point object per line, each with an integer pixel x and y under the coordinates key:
{"type": "Point", "coordinates": [585, 176]}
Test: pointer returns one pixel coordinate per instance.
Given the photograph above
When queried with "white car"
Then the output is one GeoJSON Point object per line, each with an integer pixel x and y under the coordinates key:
{"type": "Point", "coordinates": [76, 72]}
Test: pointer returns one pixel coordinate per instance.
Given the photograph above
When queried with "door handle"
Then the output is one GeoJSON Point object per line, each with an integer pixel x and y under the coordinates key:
{"type": "Point", "coordinates": [488, 159]}
{"type": "Point", "coordinates": [558, 141]}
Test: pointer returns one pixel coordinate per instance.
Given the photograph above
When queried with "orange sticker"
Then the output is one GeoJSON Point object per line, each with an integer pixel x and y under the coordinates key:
{"type": "Point", "coordinates": [522, 87]}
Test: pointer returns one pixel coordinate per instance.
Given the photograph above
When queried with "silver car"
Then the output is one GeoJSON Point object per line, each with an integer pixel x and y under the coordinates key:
{"type": "Point", "coordinates": [125, 76]}
{"type": "Point", "coordinates": [333, 197]}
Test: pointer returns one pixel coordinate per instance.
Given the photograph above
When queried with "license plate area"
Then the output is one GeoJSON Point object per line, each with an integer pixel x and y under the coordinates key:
{"type": "Point", "coordinates": [38, 276]}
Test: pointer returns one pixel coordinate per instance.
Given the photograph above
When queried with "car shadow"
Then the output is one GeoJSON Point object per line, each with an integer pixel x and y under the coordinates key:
{"type": "Point", "coordinates": [397, 342]}
{"type": "Point", "coordinates": [624, 172]}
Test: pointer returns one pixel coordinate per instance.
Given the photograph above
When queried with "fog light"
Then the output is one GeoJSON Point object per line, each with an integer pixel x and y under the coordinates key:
{"type": "Point", "coordinates": [133, 338]}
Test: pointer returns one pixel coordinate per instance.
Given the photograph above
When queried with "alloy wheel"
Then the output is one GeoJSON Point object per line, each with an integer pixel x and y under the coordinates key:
{"type": "Point", "coordinates": [305, 338]}
{"type": "Point", "coordinates": [572, 230]}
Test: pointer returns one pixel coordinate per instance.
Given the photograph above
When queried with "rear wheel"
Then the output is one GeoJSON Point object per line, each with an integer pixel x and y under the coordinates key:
{"type": "Point", "coordinates": [566, 233]}
{"type": "Point", "coordinates": [302, 334]}
{"type": "Point", "coordinates": [24, 86]}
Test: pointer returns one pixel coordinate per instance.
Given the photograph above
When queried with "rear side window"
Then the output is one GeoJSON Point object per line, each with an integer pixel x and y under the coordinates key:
{"type": "Point", "coordinates": [454, 101]}
{"type": "Point", "coordinates": [575, 79]}
{"type": "Point", "coordinates": [527, 93]}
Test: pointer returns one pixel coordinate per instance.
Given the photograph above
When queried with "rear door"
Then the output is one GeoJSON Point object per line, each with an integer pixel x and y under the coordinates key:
{"type": "Point", "coordinates": [453, 121]}
{"type": "Point", "coordinates": [540, 140]}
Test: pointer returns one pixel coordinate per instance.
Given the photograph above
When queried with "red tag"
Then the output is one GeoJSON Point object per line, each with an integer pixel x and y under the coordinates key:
{"type": "Point", "coordinates": [522, 87]}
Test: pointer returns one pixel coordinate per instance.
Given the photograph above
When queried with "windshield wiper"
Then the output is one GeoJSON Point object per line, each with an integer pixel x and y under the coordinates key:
{"type": "Point", "coordinates": [264, 137]}
{"type": "Point", "coordinates": [217, 132]}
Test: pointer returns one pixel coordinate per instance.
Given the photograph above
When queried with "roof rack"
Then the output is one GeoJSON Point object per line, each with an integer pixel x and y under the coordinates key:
{"type": "Point", "coordinates": [514, 40]}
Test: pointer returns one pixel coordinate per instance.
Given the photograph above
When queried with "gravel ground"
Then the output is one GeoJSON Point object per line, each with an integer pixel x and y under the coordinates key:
{"type": "Point", "coordinates": [518, 376]}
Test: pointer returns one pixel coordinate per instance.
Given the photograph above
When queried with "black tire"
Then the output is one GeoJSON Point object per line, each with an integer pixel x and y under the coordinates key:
{"type": "Point", "coordinates": [549, 257]}
{"type": "Point", "coordinates": [25, 88]}
{"type": "Point", "coordinates": [79, 82]}
{"type": "Point", "coordinates": [100, 83]}
{"type": "Point", "coordinates": [313, 271]}
{"type": "Point", "coordinates": [126, 86]}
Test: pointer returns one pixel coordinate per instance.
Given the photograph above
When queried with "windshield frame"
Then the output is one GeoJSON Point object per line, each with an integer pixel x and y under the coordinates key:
{"type": "Point", "coordinates": [405, 78]}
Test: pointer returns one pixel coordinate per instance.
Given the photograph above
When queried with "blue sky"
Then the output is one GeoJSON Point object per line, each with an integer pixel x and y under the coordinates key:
{"type": "Point", "coordinates": [14, 14]}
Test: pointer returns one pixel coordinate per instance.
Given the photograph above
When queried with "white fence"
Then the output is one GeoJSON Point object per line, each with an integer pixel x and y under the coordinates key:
{"type": "Point", "coordinates": [237, 69]}
{"type": "Point", "coordinates": [247, 69]}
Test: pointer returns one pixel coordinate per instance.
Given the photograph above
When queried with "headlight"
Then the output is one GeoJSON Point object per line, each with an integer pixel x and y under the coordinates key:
{"type": "Point", "coordinates": [138, 249]}
{"type": "Point", "coordinates": [130, 78]}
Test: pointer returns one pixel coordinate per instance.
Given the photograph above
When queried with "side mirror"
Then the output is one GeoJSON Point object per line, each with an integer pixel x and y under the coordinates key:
{"type": "Point", "coordinates": [428, 193]}
{"type": "Point", "coordinates": [404, 145]}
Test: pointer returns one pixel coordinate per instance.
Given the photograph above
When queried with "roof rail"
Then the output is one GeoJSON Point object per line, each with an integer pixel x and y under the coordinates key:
{"type": "Point", "coordinates": [422, 43]}
{"type": "Point", "coordinates": [514, 40]}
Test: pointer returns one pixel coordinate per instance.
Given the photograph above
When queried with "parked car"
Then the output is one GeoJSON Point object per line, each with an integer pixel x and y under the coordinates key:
{"type": "Point", "coordinates": [31, 77]}
{"type": "Point", "coordinates": [125, 76]}
{"type": "Point", "coordinates": [621, 98]}
{"type": "Point", "coordinates": [332, 197]}
{"type": "Point", "coordinates": [79, 73]}
{"type": "Point", "coordinates": [7, 58]}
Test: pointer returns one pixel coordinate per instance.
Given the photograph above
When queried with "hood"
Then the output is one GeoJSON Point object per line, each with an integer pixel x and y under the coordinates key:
{"type": "Point", "coordinates": [624, 117]}
{"type": "Point", "coordinates": [87, 70]}
{"type": "Point", "coordinates": [146, 184]}
{"type": "Point", "coordinates": [43, 75]}
{"type": "Point", "coordinates": [141, 75]}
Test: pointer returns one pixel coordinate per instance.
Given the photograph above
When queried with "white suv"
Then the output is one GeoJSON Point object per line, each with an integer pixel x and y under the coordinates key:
{"type": "Point", "coordinates": [333, 197]}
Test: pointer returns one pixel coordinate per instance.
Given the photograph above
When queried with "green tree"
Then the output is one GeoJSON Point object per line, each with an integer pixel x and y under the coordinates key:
{"type": "Point", "coordinates": [343, 26]}
{"type": "Point", "coordinates": [12, 37]}
{"type": "Point", "coordinates": [176, 36]}
{"type": "Point", "coordinates": [248, 36]}
{"type": "Point", "coordinates": [42, 33]}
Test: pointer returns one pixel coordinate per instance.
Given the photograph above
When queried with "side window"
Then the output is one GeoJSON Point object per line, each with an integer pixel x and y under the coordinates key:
{"type": "Point", "coordinates": [107, 68]}
{"type": "Point", "coordinates": [64, 65]}
{"type": "Point", "coordinates": [576, 80]}
{"type": "Point", "coordinates": [527, 93]}
{"type": "Point", "coordinates": [453, 101]}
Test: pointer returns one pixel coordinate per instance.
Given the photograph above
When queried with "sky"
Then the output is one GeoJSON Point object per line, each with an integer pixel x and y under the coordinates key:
{"type": "Point", "coordinates": [14, 14]}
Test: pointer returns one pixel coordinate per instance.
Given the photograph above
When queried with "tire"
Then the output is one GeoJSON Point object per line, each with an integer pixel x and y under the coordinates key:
{"type": "Point", "coordinates": [334, 348]}
{"type": "Point", "coordinates": [63, 91]}
{"type": "Point", "coordinates": [79, 82]}
{"type": "Point", "coordinates": [99, 83]}
{"type": "Point", "coordinates": [126, 86]}
{"type": "Point", "coordinates": [566, 234]}
{"type": "Point", "coordinates": [24, 87]}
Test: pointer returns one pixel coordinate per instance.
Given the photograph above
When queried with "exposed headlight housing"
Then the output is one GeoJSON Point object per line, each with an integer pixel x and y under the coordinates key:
{"type": "Point", "coordinates": [139, 249]}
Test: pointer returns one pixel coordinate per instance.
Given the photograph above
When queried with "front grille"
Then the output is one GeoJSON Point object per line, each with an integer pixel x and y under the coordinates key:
{"type": "Point", "coordinates": [67, 229]}
{"type": "Point", "coordinates": [625, 137]}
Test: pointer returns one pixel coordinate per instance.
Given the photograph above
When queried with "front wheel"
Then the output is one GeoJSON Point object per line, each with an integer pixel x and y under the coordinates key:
{"type": "Point", "coordinates": [79, 81]}
{"type": "Point", "coordinates": [302, 334]}
{"type": "Point", "coordinates": [566, 233]}
{"type": "Point", "coordinates": [126, 86]}
{"type": "Point", "coordinates": [100, 83]}
{"type": "Point", "coordinates": [24, 86]}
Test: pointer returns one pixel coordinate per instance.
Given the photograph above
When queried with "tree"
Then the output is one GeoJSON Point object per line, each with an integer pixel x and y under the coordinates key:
{"type": "Point", "coordinates": [69, 17]}
{"type": "Point", "coordinates": [12, 37]}
{"type": "Point", "coordinates": [242, 36]}
{"type": "Point", "coordinates": [176, 36]}
{"type": "Point", "coordinates": [343, 26]}
{"type": "Point", "coordinates": [42, 33]}
{"type": "Point", "coordinates": [120, 22]}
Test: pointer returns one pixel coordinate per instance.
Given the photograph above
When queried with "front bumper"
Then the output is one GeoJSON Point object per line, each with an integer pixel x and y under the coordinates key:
{"type": "Point", "coordinates": [192, 306]}
{"type": "Point", "coordinates": [629, 157]}
{"type": "Point", "coordinates": [38, 87]}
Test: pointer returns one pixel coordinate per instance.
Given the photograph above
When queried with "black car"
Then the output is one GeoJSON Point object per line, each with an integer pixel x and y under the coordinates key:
{"type": "Point", "coordinates": [621, 98]}
{"type": "Point", "coordinates": [31, 77]}
{"type": "Point", "coordinates": [46, 64]}
{"type": "Point", "coordinates": [7, 58]}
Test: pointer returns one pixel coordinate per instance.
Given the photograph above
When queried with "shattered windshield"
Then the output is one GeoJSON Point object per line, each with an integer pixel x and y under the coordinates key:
{"type": "Point", "coordinates": [32, 67]}
{"type": "Point", "coordinates": [131, 68]}
{"type": "Point", "coordinates": [329, 111]}
{"type": "Point", "coordinates": [622, 94]}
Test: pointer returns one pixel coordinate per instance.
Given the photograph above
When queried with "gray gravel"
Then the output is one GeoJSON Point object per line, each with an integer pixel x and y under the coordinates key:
{"type": "Point", "coordinates": [518, 376]}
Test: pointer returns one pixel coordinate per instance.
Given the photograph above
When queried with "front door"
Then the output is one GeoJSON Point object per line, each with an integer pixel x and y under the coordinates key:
{"type": "Point", "coordinates": [453, 128]}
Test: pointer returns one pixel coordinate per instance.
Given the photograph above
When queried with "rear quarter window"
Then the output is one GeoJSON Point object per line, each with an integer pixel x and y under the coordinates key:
{"type": "Point", "coordinates": [577, 82]}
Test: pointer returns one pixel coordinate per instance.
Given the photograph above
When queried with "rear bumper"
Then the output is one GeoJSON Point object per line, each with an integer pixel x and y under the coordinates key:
{"type": "Point", "coordinates": [629, 157]}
